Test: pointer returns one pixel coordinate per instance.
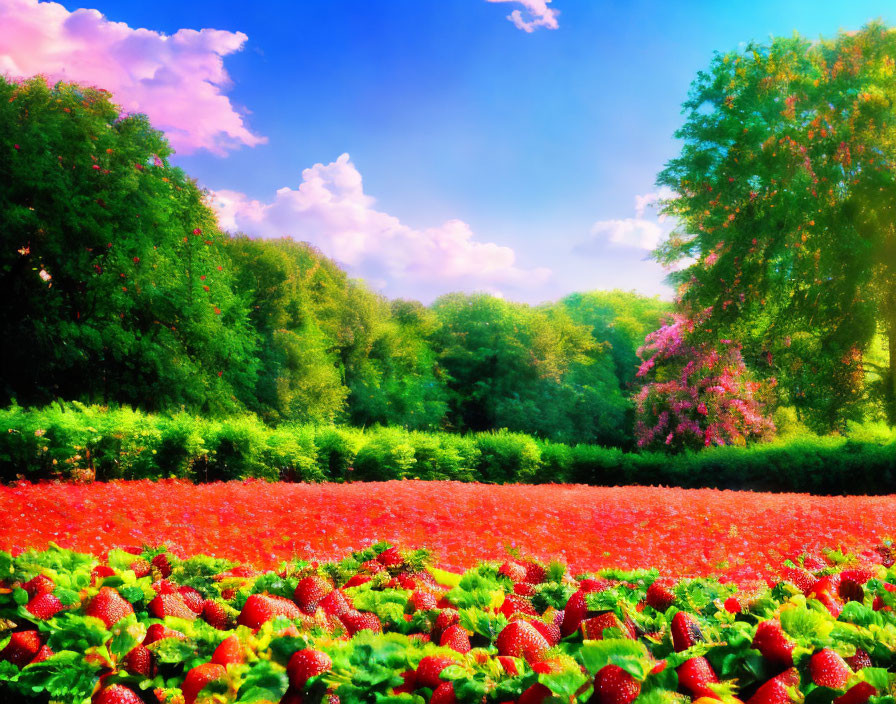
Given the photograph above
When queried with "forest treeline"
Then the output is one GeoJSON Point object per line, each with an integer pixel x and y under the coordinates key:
{"type": "Point", "coordinates": [117, 287]}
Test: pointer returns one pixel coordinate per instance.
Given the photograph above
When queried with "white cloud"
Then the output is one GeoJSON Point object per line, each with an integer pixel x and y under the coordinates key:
{"type": "Point", "coordinates": [330, 210]}
{"type": "Point", "coordinates": [645, 231]}
{"type": "Point", "coordinates": [535, 14]}
{"type": "Point", "coordinates": [177, 80]}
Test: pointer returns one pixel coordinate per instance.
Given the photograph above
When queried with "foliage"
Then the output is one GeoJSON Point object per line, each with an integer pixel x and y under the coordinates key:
{"type": "Point", "coordinates": [697, 394]}
{"type": "Point", "coordinates": [784, 191]}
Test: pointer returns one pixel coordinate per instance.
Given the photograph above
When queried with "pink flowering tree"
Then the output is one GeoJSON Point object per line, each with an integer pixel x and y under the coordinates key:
{"type": "Point", "coordinates": [695, 394]}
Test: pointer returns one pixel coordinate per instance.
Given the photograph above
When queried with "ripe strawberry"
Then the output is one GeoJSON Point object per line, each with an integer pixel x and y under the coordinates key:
{"type": "Point", "coordinates": [685, 631]}
{"type": "Point", "coordinates": [198, 678]}
{"type": "Point", "coordinates": [292, 696]}
{"type": "Point", "coordinates": [535, 694]}
{"type": "Point", "coordinates": [429, 668]}
{"type": "Point", "coordinates": [192, 598]}
{"type": "Point", "coordinates": [157, 632]}
{"type": "Point", "coordinates": [695, 675]}
{"type": "Point", "coordinates": [801, 578]}
{"type": "Point", "coordinates": [138, 661]}
{"type": "Point", "coordinates": [229, 652]}
{"type": "Point", "coordinates": [828, 669]}
{"type": "Point", "coordinates": [357, 580]}
{"type": "Point", "coordinates": [309, 592]}
{"type": "Point", "coordinates": [535, 573]}
{"type": "Point", "coordinates": [523, 589]}
{"type": "Point", "coordinates": [141, 568]}
{"type": "Point", "coordinates": [213, 614]}
{"type": "Point", "coordinates": [613, 685]}
{"type": "Point", "coordinates": [44, 653]}
{"type": "Point", "coordinates": [44, 606]}
{"type": "Point", "coordinates": [859, 693]}
{"type": "Point", "coordinates": [773, 644]}
{"type": "Point", "coordinates": [576, 610]}
{"type": "Point", "coordinates": [163, 586]}
{"type": "Point", "coordinates": [860, 660]}
{"type": "Point", "coordinates": [593, 628]}
{"type": "Point", "coordinates": [305, 664]}
{"type": "Point", "coordinates": [422, 601]}
{"type": "Point", "coordinates": [22, 648]}
{"type": "Point", "coordinates": [514, 571]}
{"type": "Point", "coordinates": [409, 683]}
{"type": "Point", "coordinates": [732, 605]}
{"type": "Point", "coordinates": [456, 638]}
{"type": "Point", "coordinates": [41, 584]}
{"type": "Point", "coordinates": [412, 581]}
{"type": "Point", "coordinates": [260, 608]}
{"type": "Point", "coordinates": [373, 567]}
{"type": "Point", "coordinates": [390, 558]}
{"type": "Point", "coordinates": [335, 603]}
{"type": "Point", "coordinates": [775, 691]}
{"type": "Point", "coordinates": [659, 594]}
{"type": "Point", "coordinates": [550, 632]}
{"type": "Point", "coordinates": [589, 585]}
{"type": "Point", "coordinates": [826, 591]}
{"type": "Point", "coordinates": [108, 606]}
{"type": "Point", "coordinates": [443, 694]}
{"type": "Point", "coordinates": [519, 639]}
{"type": "Point", "coordinates": [160, 562]}
{"type": "Point", "coordinates": [355, 621]}
{"type": "Point", "coordinates": [446, 618]}
{"type": "Point", "coordinates": [170, 605]}
{"type": "Point", "coordinates": [516, 605]}
{"type": "Point", "coordinates": [117, 694]}
{"type": "Point", "coordinates": [100, 572]}
{"type": "Point", "coordinates": [509, 665]}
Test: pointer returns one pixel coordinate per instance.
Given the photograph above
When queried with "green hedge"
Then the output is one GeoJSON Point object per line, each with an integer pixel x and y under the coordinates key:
{"type": "Point", "coordinates": [79, 442]}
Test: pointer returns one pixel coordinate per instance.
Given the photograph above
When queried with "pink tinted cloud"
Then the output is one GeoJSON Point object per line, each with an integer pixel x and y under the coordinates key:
{"type": "Point", "coordinates": [330, 210]}
{"type": "Point", "coordinates": [177, 80]}
{"type": "Point", "coordinates": [535, 14]}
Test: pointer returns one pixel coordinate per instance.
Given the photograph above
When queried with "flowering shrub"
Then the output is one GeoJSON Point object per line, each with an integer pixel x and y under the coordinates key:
{"type": "Point", "coordinates": [696, 394]}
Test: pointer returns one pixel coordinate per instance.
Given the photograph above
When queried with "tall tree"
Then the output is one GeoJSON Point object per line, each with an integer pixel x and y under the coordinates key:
{"type": "Point", "coordinates": [785, 191]}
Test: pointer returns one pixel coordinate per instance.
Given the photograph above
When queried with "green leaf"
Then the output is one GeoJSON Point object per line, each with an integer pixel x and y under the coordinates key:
{"type": "Point", "coordinates": [65, 675]}
{"type": "Point", "coordinates": [172, 650]}
{"type": "Point", "coordinates": [20, 596]}
{"type": "Point", "coordinates": [126, 635]}
{"type": "Point", "coordinates": [265, 680]}
{"type": "Point", "coordinates": [565, 683]}
{"type": "Point", "coordinates": [807, 626]}
{"type": "Point", "coordinates": [630, 655]}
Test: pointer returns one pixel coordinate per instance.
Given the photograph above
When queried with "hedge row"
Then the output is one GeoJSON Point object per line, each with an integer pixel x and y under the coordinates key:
{"type": "Point", "coordinates": [91, 442]}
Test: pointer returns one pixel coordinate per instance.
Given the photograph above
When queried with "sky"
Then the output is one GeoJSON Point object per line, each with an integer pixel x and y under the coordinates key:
{"type": "Point", "coordinates": [507, 146]}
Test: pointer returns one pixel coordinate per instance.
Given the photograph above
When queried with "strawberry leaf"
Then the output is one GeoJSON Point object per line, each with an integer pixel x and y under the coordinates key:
{"type": "Point", "coordinates": [630, 655]}
{"type": "Point", "coordinates": [264, 681]}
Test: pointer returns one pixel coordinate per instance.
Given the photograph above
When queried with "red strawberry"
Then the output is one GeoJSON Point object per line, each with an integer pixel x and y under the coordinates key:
{"type": "Point", "coordinates": [613, 685]}
{"type": "Point", "coordinates": [550, 632]}
{"type": "Point", "coordinates": [229, 652]}
{"type": "Point", "coordinates": [826, 590]}
{"type": "Point", "coordinates": [775, 691]}
{"type": "Point", "coordinates": [170, 605]}
{"type": "Point", "coordinates": [456, 638]}
{"type": "Point", "coordinates": [773, 644]}
{"type": "Point", "coordinates": [828, 669]}
{"type": "Point", "coordinates": [429, 668]}
{"type": "Point", "coordinates": [292, 696]}
{"type": "Point", "coordinates": [514, 571]}
{"type": "Point", "coordinates": [732, 605]}
{"type": "Point", "coordinates": [260, 608]}
{"type": "Point", "coordinates": [694, 675]}
{"type": "Point", "coordinates": [373, 567]}
{"type": "Point", "coordinates": [305, 664]}
{"type": "Point", "coordinates": [593, 628]}
{"type": "Point", "coordinates": [446, 618]}
{"type": "Point", "coordinates": [422, 601]}
{"type": "Point", "coordinates": [309, 592]}
{"type": "Point", "coordinates": [41, 584]}
{"type": "Point", "coordinates": [860, 660]}
{"type": "Point", "coordinates": [803, 579]}
{"type": "Point", "coordinates": [659, 594]}
{"type": "Point", "coordinates": [409, 685]}
{"type": "Point", "coordinates": [100, 572]}
{"type": "Point", "coordinates": [213, 614]}
{"type": "Point", "coordinates": [410, 581]}
{"type": "Point", "coordinates": [589, 585]}
{"type": "Point", "coordinates": [519, 639]}
{"type": "Point", "coordinates": [357, 580]}
{"type": "Point", "coordinates": [535, 573]}
{"type": "Point", "coordinates": [163, 586]}
{"type": "Point", "coordinates": [117, 694]}
{"type": "Point", "coordinates": [157, 632]}
{"type": "Point", "coordinates": [509, 665]}
{"type": "Point", "coordinates": [193, 599]}
{"type": "Point", "coordinates": [514, 604]}
{"type": "Point", "coordinates": [523, 589]}
{"type": "Point", "coordinates": [160, 562]}
{"type": "Point", "coordinates": [138, 661]}
{"type": "Point", "coordinates": [22, 648]}
{"type": "Point", "coordinates": [355, 621]}
{"type": "Point", "coordinates": [443, 694]}
{"type": "Point", "coordinates": [335, 603]}
{"type": "Point", "coordinates": [685, 631]}
{"type": "Point", "coordinates": [859, 693]}
{"type": "Point", "coordinates": [576, 610]}
{"type": "Point", "coordinates": [141, 568]}
{"type": "Point", "coordinates": [535, 694]}
{"type": "Point", "coordinates": [44, 606]}
{"type": "Point", "coordinates": [108, 606]}
{"type": "Point", "coordinates": [390, 558]}
{"type": "Point", "coordinates": [887, 558]}
{"type": "Point", "coordinates": [198, 678]}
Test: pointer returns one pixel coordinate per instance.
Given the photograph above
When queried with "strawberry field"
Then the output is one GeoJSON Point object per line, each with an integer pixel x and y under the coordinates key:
{"type": "Point", "coordinates": [738, 535]}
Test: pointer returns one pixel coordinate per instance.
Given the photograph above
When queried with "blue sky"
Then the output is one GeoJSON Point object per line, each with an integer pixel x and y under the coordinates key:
{"type": "Point", "coordinates": [451, 113]}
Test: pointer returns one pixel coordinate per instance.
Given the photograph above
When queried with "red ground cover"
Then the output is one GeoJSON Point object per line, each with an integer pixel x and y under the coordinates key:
{"type": "Point", "coordinates": [681, 532]}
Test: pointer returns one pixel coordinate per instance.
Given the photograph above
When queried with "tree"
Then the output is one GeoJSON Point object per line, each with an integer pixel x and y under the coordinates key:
{"type": "Point", "coordinates": [785, 194]}
{"type": "Point", "coordinates": [113, 285]}
{"type": "Point", "coordinates": [696, 394]}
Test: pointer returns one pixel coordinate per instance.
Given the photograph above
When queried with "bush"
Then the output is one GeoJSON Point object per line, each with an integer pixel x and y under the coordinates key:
{"type": "Point", "coordinates": [507, 457]}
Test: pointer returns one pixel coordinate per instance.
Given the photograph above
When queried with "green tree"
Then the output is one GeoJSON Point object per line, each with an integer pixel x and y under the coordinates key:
{"type": "Point", "coordinates": [113, 283]}
{"type": "Point", "coordinates": [786, 197]}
